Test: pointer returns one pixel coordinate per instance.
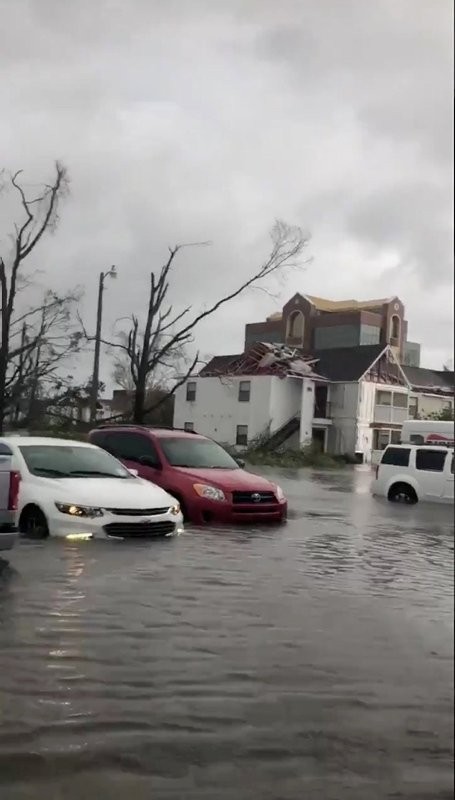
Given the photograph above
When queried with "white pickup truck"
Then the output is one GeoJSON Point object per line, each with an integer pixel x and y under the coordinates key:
{"type": "Point", "coordinates": [9, 494]}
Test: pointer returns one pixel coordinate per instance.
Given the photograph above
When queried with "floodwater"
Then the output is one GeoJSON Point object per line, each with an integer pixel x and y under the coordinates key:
{"type": "Point", "coordinates": [296, 663]}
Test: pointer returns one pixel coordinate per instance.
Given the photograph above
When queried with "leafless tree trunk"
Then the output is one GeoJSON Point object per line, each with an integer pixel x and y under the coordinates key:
{"type": "Point", "coordinates": [165, 334]}
{"type": "Point", "coordinates": [39, 215]}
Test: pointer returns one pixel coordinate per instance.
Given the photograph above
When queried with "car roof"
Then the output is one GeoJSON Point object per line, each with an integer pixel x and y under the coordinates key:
{"type": "Point", "coordinates": [161, 433]}
{"type": "Point", "coordinates": [42, 440]}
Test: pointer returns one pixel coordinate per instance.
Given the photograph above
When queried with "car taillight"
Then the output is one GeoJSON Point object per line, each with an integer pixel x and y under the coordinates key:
{"type": "Point", "coordinates": [13, 496]}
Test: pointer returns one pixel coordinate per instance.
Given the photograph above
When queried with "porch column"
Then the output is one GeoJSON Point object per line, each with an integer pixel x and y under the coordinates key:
{"type": "Point", "coordinates": [306, 412]}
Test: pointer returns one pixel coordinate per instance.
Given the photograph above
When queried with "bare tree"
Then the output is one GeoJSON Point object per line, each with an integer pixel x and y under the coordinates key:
{"type": "Point", "coordinates": [38, 216]}
{"type": "Point", "coordinates": [42, 341]}
{"type": "Point", "coordinates": [165, 335]}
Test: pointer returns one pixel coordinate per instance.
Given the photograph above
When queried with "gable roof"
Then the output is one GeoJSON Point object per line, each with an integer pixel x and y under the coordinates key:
{"type": "Point", "coordinates": [218, 364]}
{"type": "Point", "coordinates": [434, 381]}
{"type": "Point", "coordinates": [346, 363]}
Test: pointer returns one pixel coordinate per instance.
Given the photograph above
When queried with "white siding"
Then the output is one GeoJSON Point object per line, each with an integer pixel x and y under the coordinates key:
{"type": "Point", "coordinates": [430, 403]}
{"type": "Point", "coordinates": [370, 412]}
{"type": "Point", "coordinates": [216, 412]}
{"type": "Point", "coordinates": [285, 400]}
{"type": "Point", "coordinates": [343, 404]}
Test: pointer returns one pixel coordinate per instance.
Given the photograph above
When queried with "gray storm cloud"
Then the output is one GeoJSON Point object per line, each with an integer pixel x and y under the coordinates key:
{"type": "Point", "coordinates": [184, 121]}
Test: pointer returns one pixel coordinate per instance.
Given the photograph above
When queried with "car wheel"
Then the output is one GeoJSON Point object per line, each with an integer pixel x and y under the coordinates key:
{"type": "Point", "coordinates": [402, 493]}
{"type": "Point", "coordinates": [33, 523]}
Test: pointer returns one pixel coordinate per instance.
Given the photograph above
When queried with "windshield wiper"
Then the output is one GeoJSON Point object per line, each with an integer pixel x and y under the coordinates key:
{"type": "Point", "coordinates": [83, 472]}
{"type": "Point", "coordinates": [57, 473]}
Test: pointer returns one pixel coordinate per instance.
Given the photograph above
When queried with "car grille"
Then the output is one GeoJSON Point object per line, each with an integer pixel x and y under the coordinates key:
{"type": "Point", "coordinates": [138, 512]}
{"type": "Point", "coordinates": [138, 530]}
{"type": "Point", "coordinates": [251, 498]}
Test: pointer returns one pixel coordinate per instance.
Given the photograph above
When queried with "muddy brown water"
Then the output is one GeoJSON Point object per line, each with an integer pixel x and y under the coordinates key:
{"type": "Point", "coordinates": [313, 660]}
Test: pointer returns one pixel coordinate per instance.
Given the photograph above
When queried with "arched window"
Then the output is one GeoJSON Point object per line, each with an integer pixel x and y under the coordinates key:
{"type": "Point", "coordinates": [395, 326]}
{"type": "Point", "coordinates": [296, 325]}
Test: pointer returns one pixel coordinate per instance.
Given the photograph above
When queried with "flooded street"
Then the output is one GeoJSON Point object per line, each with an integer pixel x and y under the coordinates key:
{"type": "Point", "coordinates": [308, 661]}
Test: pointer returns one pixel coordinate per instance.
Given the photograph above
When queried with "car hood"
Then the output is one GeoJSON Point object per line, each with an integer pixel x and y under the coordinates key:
{"type": "Point", "coordinates": [108, 492]}
{"type": "Point", "coordinates": [229, 479]}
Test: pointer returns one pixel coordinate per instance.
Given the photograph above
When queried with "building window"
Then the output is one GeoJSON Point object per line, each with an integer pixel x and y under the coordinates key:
{"type": "Point", "coordinates": [242, 435]}
{"type": "Point", "coordinates": [395, 328]}
{"type": "Point", "coordinates": [188, 426]}
{"type": "Point", "coordinates": [296, 325]}
{"type": "Point", "coordinates": [381, 438]}
{"type": "Point", "coordinates": [191, 391]}
{"type": "Point", "coordinates": [395, 437]}
{"type": "Point", "coordinates": [400, 400]}
{"type": "Point", "coordinates": [370, 334]}
{"type": "Point", "coordinates": [430, 460]}
{"type": "Point", "coordinates": [383, 398]}
{"type": "Point", "coordinates": [244, 391]}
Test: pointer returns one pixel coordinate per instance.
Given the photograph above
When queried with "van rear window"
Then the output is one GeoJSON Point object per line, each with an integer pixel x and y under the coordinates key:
{"type": "Point", "coordinates": [397, 456]}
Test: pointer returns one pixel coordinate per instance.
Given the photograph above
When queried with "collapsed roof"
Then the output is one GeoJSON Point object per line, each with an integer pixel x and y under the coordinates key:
{"type": "Point", "coordinates": [263, 358]}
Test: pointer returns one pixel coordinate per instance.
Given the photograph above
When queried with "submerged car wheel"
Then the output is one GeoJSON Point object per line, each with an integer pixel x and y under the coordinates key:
{"type": "Point", "coordinates": [402, 493]}
{"type": "Point", "coordinates": [33, 523]}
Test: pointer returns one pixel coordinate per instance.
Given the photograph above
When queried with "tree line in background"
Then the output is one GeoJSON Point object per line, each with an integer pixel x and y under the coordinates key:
{"type": "Point", "coordinates": [44, 339]}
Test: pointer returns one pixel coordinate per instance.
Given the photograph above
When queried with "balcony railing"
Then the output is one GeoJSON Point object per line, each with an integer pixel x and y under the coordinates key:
{"type": "Point", "coordinates": [393, 414]}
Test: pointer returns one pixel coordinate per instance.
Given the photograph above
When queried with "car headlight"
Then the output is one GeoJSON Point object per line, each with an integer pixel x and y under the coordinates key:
{"type": "Point", "coordinates": [279, 493]}
{"type": "Point", "coordinates": [79, 511]}
{"type": "Point", "coordinates": [175, 510]}
{"type": "Point", "coordinates": [210, 492]}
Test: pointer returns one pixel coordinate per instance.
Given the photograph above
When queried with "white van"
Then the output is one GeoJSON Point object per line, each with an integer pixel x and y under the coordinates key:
{"type": "Point", "coordinates": [410, 473]}
{"type": "Point", "coordinates": [428, 431]}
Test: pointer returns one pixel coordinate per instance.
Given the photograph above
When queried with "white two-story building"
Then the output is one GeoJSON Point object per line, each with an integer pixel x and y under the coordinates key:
{"type": "Point", "coordinates": [349, 400]}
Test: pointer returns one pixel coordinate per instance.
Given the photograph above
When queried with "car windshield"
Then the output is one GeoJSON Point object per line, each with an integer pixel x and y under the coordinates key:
{"type": "Point", "coordinates": [71, 461]}
{"type": "Point", "coordinates": [201, 453]}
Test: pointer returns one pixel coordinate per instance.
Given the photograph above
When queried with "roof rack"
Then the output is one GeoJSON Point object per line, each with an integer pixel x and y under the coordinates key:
{"type": "Point", "coordinates": [142, 427]}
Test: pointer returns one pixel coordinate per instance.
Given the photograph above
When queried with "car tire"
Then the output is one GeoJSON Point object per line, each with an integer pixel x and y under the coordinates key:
{"type": "Point", "coordinates": [402, 493]}
{"type": "Point", "coordinates": [33, 523]}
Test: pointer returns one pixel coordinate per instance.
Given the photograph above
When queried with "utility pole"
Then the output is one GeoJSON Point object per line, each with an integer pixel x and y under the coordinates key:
{"type": "Point", "coordinates": [112, 273]}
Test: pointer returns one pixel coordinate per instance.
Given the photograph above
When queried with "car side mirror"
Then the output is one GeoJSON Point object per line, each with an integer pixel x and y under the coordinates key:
{"type": "Point", "coordinates": [240, 462]}
{"type": "Point", "coordinates": [149, 461]}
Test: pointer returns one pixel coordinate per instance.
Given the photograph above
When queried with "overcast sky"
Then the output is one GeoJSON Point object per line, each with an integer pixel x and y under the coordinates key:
{"type": "Point", "coordinates": [206, 119]}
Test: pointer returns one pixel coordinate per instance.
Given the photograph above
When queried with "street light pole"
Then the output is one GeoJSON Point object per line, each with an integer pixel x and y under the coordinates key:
{"type": "Point", "coordinates": [96, 358]}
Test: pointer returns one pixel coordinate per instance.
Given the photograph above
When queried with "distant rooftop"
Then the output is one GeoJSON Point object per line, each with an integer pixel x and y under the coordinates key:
{"type": "Point", "coordinates": [345, 305]}
{"type": "Point", "coordinates": [321, 304]}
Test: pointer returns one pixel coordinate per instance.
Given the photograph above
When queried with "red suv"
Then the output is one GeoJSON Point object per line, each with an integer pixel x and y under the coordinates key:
{"type": "Point", "coordinates": [209, 484]}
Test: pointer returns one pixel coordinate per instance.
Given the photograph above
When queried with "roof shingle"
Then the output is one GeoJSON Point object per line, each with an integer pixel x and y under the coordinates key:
{"type": "Point", "coordinates": [422, 378]}
{"type": "Point", "coordinates": [346, 363]}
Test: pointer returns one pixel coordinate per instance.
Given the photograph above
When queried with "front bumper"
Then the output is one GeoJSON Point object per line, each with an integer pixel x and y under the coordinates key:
{"type": "Point", "coordinates": [8, 537]}
{"type": "Point", "coordinates": [206, 511]}
{"type": "Point", "coordinates": [112, 526]}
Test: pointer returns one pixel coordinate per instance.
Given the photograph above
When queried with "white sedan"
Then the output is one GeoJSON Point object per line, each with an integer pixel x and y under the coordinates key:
{"type": "Point", "coordinates": [78, 491]}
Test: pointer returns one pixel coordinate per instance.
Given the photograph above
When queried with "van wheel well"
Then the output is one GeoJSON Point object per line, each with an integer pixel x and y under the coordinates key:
{"type": "Point", "coordinates": [402, 492]}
